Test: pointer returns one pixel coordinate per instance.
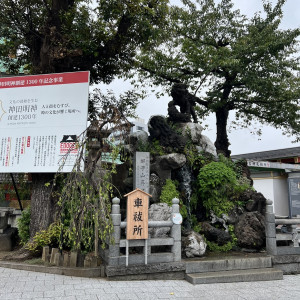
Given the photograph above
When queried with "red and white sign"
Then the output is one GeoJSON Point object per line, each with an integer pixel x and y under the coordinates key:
{"type": "Point", "coordinates": [41, 118]}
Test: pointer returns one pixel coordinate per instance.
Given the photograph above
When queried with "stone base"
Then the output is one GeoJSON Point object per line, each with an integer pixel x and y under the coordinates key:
{"type": "Point", "coordinates": [289, 264]}
{"type": "Point", "coordinates": [8, 239]}
{"type": "Point", "coordinates": [174, 270]}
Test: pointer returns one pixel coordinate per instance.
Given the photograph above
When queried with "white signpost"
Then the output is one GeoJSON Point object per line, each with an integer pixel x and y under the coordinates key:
{"type": "Point", "coordinates": [41, 117]}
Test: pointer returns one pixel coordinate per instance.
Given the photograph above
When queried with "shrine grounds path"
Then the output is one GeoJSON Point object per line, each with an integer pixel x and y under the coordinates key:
{"type": "Point", "coordinates": [17, 284]}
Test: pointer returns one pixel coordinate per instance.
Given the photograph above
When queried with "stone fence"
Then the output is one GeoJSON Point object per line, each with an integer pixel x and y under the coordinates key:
{"type": "Point", "coordinates": [282, 237]}
{"type": "Point", "coordinates": [113, 255]}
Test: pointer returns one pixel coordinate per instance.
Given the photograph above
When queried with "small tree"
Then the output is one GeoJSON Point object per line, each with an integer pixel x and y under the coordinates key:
{"type": "Point", "coordinates": [85, 198]}
{"type": "Point", "coordinates": [230, 63]}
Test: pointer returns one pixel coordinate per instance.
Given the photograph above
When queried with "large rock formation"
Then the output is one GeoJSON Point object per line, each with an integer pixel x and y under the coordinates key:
{"type": "Point", "coordinates": [159, 212]}
{"type": "Point", "coordinates": [160, 130]}
{"type": "Point", "coordinates": [216, 235]}
{"type": "Point", "coordinates": [250, 230]}
{"type": "Point", "coordinates": [193, 244]}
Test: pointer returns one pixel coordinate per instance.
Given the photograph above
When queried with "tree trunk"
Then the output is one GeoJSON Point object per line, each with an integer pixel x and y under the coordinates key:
{"type": "Point", "coordinates": [222, 142]}
{"type": "Point", "coordinates": [42, 203]}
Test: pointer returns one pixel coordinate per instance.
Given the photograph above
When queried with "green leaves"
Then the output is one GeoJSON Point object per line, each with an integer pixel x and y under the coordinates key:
{"type": "Point", "coordinates": [219, 187]}
{"type": "Point", "coordinates": [230, 62]}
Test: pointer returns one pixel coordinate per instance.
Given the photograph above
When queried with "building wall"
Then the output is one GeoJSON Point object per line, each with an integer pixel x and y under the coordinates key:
{"type": "Point", "coordinates": [281, 197]}
{"type": "Point", "coordinates": [273, 186]}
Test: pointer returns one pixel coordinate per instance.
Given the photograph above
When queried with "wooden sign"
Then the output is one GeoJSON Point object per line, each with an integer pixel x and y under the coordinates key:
{"type": "Point", "coordinates": [137, 215]}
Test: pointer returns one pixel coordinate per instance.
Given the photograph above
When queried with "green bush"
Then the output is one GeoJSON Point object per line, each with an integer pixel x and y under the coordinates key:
{"type": "Point", "coordinates": [219, 187]}
{"type": "Point", "coordinates": [169, 191]}
{"type": "Point", "coordinates": [49, 237]}
{"type": "Point", "coordinates": [23, 226]}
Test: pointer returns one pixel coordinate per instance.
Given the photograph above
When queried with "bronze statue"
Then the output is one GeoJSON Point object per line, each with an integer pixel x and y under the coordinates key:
{"type": "Point", "coordinates": [185, 101]}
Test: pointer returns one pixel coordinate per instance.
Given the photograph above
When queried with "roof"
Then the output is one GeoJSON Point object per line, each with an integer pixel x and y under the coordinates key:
{"type": "Point", "coordinates": [272, 154]}
{"type": "Point", "coordinates": [137, 190]}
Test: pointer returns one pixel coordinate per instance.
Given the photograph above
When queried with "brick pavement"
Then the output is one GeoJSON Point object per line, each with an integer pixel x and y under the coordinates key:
{"type": "Point", "coordinates": [17, 284]}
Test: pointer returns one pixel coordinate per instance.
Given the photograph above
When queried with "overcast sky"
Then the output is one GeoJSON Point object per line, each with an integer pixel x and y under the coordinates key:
{"type": "Point", "coordinates": [242, 141]}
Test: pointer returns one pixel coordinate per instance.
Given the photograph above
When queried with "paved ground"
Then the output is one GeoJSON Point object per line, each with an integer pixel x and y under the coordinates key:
{"type": "Point", "coordinates": [16, 284]}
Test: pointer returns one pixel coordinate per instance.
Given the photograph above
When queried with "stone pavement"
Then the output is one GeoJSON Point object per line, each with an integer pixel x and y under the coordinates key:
{"type": "Point", "coordinates": [17, 284]}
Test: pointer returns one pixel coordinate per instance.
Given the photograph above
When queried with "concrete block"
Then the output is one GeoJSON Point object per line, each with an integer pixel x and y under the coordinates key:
{"type": "Point", "coordinates": [287, 269]}
{"type": "Point", "coordinates": [114, 250]}
{"type": "Point", "coordinates": [176, 250]}
{"type": "Point", "coordinates": [116, 219]}
{"type": "Point", "coordinates": [113, 261]}
{"type": "Point", "coordinates": [117, 234]}
{"type": "Point", "coordinates": [145, 269]}
{"type": "Point", "coordinates": [94, 261]}
{"type": "Point", "coordinates": [235, 276]}
{"type": "Point", "coordinates": [288, 250]}
{"type": "Point", "coordinates": [271, 246]}
{"type": "Point", "coordinates": [285, 259]}
{"type": "Point", "coordinates": [228, 264]}
{"type": "Point", "coordinates": [58, 259]}
{"type": "Point", "coordinates": [5, 242]}
{"type": "Point", "coordinates": [102, 271]}
{"type": "Point", "coordinates": [46, 254]}
{"type": "Point", "coordinates": [73, 259]}
{"type": "Point", "coordinates": [87, 263]}
{"type": "Point", "coordinates": [66, 262]}
{"type": "Point", "coordinates": [270, 218]}
{"type": "Point", "coordinates": [176, 232]}
{"type": "Point", "coordinates": [270, 230]}
{"type": "Point", "coordinates": [52, 257]}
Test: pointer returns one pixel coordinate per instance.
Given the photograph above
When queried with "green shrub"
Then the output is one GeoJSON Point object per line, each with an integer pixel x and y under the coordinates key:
{"type": "Point", "coordinates": [169, 191]}
{"type": "Point", "coordinates": [219, 187]}
{"type": "Point", "coordinates": [49, 237]}
{"type": "Point", "coordinates": [23, 226]}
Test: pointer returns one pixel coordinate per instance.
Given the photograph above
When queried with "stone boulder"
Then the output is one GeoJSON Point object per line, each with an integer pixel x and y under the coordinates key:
{"type": "Point", "coordinates": [160, 130]}
{"type": "Point", "coordinates": [216, 235]}
{"type": "Point", "coordinates": [192, 130]}
{"type": "Point", "coordinates": [193, 245]}
{"type": "Point", "coordinates": [171, 161]}
{"type": "Point", "coordinates": [159, 212]}
{"type": "Point", "coordinates": [155, 188]}
{"type": "Point", "coordinates": [250, 230]}
{"type": "Point", "coordinates": [255, 201]}
{"type": "Point", "coordinates": [208, 146]}
{"type": "Point", "coordinates": [138, 137]}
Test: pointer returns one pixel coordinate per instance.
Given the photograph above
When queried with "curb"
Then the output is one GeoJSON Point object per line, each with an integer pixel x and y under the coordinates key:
{"type": "Point", "coordinates": [77, 272]}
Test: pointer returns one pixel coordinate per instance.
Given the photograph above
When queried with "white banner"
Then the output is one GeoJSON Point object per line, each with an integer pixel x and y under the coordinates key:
{"type": "Point", "coordinates": [41, 117]}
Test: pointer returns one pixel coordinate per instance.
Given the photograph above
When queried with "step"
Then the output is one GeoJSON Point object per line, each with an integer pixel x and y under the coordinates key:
{"type": "Point", "coordinates": [235, 276]}
{"type": "Point", "coordinates": [228, 264]}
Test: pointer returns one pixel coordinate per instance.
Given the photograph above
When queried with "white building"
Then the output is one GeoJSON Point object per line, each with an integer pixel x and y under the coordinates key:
{"type": "Point", "coordinates": [276, 174]}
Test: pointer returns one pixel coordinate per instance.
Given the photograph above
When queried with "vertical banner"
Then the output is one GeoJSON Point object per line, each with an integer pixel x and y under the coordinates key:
{"type": "Point", "coordinates": [41, 118]}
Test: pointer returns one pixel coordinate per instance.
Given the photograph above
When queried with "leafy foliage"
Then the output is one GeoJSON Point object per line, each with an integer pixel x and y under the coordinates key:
{"type": "Point", "coordinates": [85, 198]}
{"type": "Point", "coordinates": [218, 187]}
{"type": "Point", "coordinates": [169, 192]}
{"type": "Point", "coordinates": [62, 35]}
{"type": "Point", "coordinates": [23, 226]}
{"type": "Point", "coordinates": [48, 237]}
{"type": "Point", "coordinates": [230, 63]}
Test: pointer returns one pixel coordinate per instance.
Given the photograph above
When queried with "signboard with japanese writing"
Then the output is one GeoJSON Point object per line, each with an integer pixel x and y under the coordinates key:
{"type": "Point", "coordinates": [137, 215]}
{"type": "Point", "coordinates": [257, 163]}
{"type": "Point", "coordinates": [141, 172]}
{"type": "Point", "coordinates": [41, 117]}
{"type": "Point", "coordinates": [294, 196]}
